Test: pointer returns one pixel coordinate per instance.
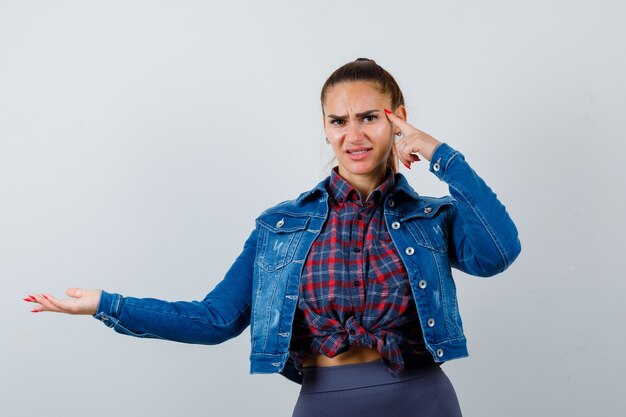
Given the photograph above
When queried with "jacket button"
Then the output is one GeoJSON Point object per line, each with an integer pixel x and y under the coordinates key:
{"type": "Point", "coordinates": [422, 284]}
{"type": "Point", "coordinates": [440, 352]}
{"type": "Point", "coordinates": [436, 165]}
{"type": "Point", "coordinates": [409, 251]}
{"type": "Point", "coordinates": [280, 223]}
{"type": "Point", "coordinates": [431, 322]}
{"type": "Point", "coordinates": [395, 225]}
{"type": "Point", "coordinates": [391, 203]}
{"type": "Point", "coordinates": [428, 209]}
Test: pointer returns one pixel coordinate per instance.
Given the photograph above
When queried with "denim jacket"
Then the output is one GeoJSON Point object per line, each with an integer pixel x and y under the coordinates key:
{"type": "Point", "coordinates": [469, 230]}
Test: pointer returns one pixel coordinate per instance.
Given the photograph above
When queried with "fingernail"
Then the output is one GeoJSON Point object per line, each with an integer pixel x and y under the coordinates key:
{"type": "Point", "coordinates": [387, 111]}
{"type": "Point", "coordinates": [27, 299]}
{"type": "Point", "coordinates": [44, 296]}
{"type": "Point", "coordinates": [32, 298]}
{"type": "Point", "coordinates": [407, 165]}
{"type": "Point", "coordinates": [34, 311]}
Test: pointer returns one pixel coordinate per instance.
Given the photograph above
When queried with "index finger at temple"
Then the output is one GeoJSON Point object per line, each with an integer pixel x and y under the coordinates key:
{"type": "Point", "coordinates": [404, 126]}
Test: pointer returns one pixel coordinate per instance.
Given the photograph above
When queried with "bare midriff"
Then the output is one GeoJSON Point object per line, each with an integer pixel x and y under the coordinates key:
{"type": "Point", "coordinates": [357, 354]}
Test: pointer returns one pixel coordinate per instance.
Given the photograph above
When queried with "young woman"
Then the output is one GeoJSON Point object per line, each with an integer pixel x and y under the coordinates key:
{"type": "Point", "coordinates": [347, 288]}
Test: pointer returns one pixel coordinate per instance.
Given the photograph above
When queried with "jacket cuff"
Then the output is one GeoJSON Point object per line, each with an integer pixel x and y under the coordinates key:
{"type": "Point", "coordinates": [109, 308]}
{"type": "Point", "coordinates": [441, 158]}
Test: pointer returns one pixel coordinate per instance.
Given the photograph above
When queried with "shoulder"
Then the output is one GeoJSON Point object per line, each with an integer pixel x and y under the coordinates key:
{"type": "Point", "coordinates": [409, 202]}
{"type": "Point", "coordinates": [306, 204]}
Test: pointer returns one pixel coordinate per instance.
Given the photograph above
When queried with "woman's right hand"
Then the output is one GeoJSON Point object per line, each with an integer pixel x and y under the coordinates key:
{"type": "Point", "coordinates": [80, 302]}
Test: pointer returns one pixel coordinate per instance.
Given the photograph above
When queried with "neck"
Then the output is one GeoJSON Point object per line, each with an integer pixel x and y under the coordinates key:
{"type": "Point", "coordinates": [365, 183]}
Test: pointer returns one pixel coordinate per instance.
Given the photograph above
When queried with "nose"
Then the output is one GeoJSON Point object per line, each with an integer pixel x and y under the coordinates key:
{"type": "Point", "coordinates": [354, 133]}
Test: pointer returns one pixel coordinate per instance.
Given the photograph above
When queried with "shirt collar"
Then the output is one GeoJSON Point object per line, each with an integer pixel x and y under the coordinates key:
{"type": "Point", "coordinates": [402, 188]}
{"type": "Point", "coordinates": [341, 190]}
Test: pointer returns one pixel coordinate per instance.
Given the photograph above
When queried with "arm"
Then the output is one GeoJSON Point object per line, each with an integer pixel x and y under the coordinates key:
{"type": "Point", "coordinates": [483, 240]}
{"type": "Point", "coordinates": [223, 314]}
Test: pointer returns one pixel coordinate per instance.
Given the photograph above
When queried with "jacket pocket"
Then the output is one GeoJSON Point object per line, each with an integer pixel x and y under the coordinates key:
{"type": "Point", "coordinates": [429, 233]}
{"type": "Point", "coordinates": [279, 236]}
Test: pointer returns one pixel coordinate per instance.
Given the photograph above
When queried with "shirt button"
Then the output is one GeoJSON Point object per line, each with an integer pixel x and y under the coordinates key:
{"type": "Point", "coordinates": [422, 284]}
{"type": "Point", "coordinates": [351, 331]}
{"type": "Point", "coordinates": [357, 249]}
{"type": "Point", "coordinates": [395, 225]}
{"type": "Point", "coordinates": [428, 209]}
{"type": "Point", "coordinates": [431, 322]}
{"type": "Point", "coordinates": [440, 352]}
{"type": "Point", "coordinates": [357, 283]}
{"type": "Point", "coordinates": [409, 251]}
{"type": "Point", "coordinates": [359, 217]}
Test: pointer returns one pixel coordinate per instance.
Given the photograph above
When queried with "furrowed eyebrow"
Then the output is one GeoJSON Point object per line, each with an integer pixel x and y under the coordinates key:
{"type": "Point", "coordinates": [363, 114]}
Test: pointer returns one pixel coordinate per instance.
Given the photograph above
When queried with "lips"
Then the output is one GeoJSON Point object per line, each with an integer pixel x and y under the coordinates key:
{"type": "Point", "coordinates": [358, 153]}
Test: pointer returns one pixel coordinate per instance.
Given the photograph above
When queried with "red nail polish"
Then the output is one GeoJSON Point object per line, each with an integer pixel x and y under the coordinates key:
{"type": "Point", "coordinates": [27, 299]}
{"type": "Point", "coordinates": [32, 298]}
{"type": "Point", "coordinates": [44, 296]}
{"type": "Point", "coordinates": [387, 111]}
{"type": "Point", "coordinates": [34, 311]}
{"type": "Point", "coordinates": [407, 165]}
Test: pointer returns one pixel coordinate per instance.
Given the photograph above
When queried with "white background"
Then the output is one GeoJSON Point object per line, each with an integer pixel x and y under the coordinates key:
{"type": "Point", "coordinates": [139, 140]}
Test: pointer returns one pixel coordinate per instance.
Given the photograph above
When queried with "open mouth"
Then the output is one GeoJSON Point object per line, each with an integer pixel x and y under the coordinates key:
{"type": "Point", "coordinates": [359, 151]}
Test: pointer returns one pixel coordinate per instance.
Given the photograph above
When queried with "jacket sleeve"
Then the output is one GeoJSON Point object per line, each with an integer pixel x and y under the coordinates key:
{"type": "Point", "coordinates": [483, 240]}
{"type": "Point", "coordinates": [223, 314]}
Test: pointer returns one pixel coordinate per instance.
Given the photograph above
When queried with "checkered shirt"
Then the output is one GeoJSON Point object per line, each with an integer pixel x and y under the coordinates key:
{"type": "Point", "coordinates": [354, 289]}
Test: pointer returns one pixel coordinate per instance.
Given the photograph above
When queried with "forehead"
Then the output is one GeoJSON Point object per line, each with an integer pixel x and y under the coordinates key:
{"type": "Point", "coordinates": [353, 93]}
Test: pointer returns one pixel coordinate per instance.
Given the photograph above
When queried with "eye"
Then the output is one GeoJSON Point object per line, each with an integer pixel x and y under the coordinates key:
{"type": "Point", "coordinates": [337, 122]}
{"type": "Point", "coordinates": [370, 118]}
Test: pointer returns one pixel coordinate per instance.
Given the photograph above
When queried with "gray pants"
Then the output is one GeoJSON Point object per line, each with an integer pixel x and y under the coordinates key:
{"type": "Point", "coordinates": [368, 390]}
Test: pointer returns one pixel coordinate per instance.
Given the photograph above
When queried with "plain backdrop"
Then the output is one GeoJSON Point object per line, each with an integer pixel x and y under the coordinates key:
{"type": "Point", "coordinates": [140, 139]}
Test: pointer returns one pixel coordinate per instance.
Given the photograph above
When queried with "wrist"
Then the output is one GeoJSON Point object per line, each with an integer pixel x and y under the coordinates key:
{"type": "Point", "coordinates": [430, 148]}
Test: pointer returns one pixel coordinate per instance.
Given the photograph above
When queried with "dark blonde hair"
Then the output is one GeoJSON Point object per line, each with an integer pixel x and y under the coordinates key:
{"type": "Point", "coordinates": [365, 69]}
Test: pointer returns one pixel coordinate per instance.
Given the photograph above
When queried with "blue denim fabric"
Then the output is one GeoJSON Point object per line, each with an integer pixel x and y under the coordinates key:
{"type": "Point", "coordinates": [469, 230]}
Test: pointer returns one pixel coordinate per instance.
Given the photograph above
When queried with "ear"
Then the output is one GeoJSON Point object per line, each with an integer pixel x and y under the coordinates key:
{"type": "Point", "coordinates": [324, 124]}
{"type": "Point", "coordinates": [400, 112]}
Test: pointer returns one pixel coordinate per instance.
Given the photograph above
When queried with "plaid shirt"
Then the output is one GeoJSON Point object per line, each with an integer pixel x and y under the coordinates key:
{"type": "Point", "coordinates": [354, 289]}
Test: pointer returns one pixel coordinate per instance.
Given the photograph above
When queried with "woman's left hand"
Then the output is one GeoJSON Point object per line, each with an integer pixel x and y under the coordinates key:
{"type": "Point", "coordinates": [414, 141]}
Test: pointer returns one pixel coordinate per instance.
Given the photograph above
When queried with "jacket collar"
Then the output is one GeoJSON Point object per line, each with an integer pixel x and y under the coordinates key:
{"type": "Point", "coordinates": [403, 187]}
